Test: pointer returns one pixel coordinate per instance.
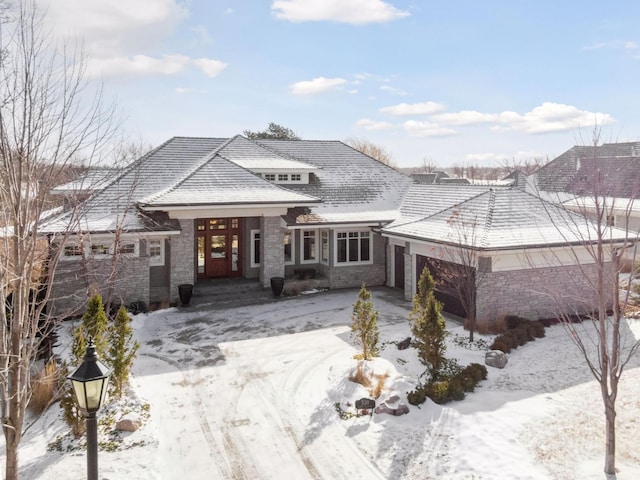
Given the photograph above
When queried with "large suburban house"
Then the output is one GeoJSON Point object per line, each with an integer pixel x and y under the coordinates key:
{"type": "Point", "coordinates": [199, 208]}
{"type": "Point", "coordinates": [195, 209]}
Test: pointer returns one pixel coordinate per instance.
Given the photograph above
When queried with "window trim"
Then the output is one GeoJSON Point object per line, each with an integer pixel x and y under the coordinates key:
{"type": "Point", "coordinates": [292, 241]}
{"type": "Point", "coordinates": [252, 247]}
{"type": "Point", "coordinates": [156, 260]}
{"type": "Point", "coordinates": [302, 238]}
{"type": "Point", "coordinates": [325, 238]}
{"type": "Point", "coordinates": [336, 263]}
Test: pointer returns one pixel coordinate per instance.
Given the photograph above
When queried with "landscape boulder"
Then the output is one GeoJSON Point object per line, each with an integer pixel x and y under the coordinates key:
{"type": "Point", "coordinates": [404, 344]}
{"type": "Point", "coordinates": [129, 423]}
{"type": "Point", "coordinates": [496, 358]}
{"type": "Point", "coordinates": [393, 406]}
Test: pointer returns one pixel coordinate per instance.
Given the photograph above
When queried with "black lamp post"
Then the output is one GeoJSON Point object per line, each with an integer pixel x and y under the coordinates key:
{"type": "Point", "coordinates": [90, 383]}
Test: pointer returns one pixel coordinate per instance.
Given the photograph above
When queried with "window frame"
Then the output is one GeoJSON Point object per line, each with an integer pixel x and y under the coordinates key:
{"type": "Point", "coordinates": [315, 258]}
{"type": "Point", "coordinates": [348, 236]}
{"type": "Point", "coordinates": [252, 248]}
{"type": "Point", "coordinates": [156, 260]}
{"type": "Point", "coordinates": [292, 242]}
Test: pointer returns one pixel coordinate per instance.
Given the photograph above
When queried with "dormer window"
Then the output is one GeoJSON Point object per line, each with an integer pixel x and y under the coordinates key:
{"type": "Point", "coordinates": [270, 176]}
{"type": "Point", "coordinates": [283, 177]}
{"type": "Point", "coordinates": [296, 177]}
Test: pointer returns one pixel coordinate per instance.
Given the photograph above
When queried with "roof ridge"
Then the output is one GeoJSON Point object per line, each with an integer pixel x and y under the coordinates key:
{"type": "Point", "coordinates": [206, 159]}
{"type": "Point", "coordinates": [489, 218]}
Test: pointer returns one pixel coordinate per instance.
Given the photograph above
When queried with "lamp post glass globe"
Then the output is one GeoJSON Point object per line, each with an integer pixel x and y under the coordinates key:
{"type": "Point", "coordinates": [90, 381]}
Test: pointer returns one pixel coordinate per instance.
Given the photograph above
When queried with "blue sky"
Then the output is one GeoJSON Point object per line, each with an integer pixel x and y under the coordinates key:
{"type": "Point", "coordinates": [456, 82]}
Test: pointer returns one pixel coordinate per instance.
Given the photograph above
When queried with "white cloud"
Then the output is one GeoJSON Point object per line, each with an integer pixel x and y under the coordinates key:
{"type": "Point", "coordinates": [362, 76]}
{"type": "Point", "coordinates": [211, 68]}
{"type": "Point", "coordinates": [357, 12]}
{"type": "Point", "coordinates": [466, 117]}
{"type": "Point", "coordinates": [614, 45]}
{"type": "Point", "coordinates": [317, 85]}
{"type": "Point", "coordinates": [116, 26]}
{"type": "Point", "coordinates": [426, 129]}
{"type": "Point", "coordinates": [187, 90]}
{"type": "Point", "coordinates": [423, 108]}
{"type": "Point", "coordinates": [545, 118]}
{"type": "Point", "coordinates": [367, 124]}
{"type": "Point", "coordinates": [491, 157]}
{"type": "Point", "coordinates": [552, 117]}
{"type": "Point", "coordinates": [137, 65]}
{"type": "Point", "coordinates": [393, 90]}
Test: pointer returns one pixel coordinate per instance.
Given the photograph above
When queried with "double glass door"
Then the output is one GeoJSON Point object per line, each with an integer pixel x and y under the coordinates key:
{"type": "Point", "coordinates": [219, 243]}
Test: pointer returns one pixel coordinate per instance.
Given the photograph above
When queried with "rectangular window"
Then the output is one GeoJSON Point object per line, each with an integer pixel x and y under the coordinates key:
{"type": "Point", "coordinates": [289, 246]}
{"type": "Point", "coordinates": [324, 246]}
{"type": "Point", "coordinates": [295, 177]}
{"type": "Point", "coordinates": [255, 248]}
{"type": "Point", "coordinates": [100, 249]}
{"type": "Point", "coordinates": [611, 220]}
{"type": "Point", "coordinates": [309, 251]}
{"type": "Point", "coordinates": [72, 250]}
{"type": "Point", "coordinates": [353, 247]}
{"type": "Point", "coordinates": [283, 177]}
{"type": "Point", "coordinates": [127, 247]}
{"type": "Point", "coordinates": [270, 176]}
{"type": "Point", "coordinates": [156, 252]}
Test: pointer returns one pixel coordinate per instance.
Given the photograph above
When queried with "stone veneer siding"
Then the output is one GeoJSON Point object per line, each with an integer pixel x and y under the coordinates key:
{"type": "Point", "coordinates": [71, 288]}
{"type": "Point", "coordinates": [272, 250]}
{"type": "Point", "coordinates": [537, 293]}
{"type": "Point", "coordinates": [353, 276]}
{"type": "Point", "coordinates": [183, 259]}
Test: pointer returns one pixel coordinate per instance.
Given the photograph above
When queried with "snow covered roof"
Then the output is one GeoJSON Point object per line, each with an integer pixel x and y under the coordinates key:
{"type": "Point", "coordinates": [346, 185]}
{"type": "Point", "coordinates": [498, 219]}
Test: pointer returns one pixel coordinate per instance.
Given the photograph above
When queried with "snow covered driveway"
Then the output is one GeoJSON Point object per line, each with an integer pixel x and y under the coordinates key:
{"type": "Point", "coordinates": [236, 397]}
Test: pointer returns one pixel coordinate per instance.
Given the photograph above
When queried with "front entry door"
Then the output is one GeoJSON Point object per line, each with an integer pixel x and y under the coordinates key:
{"type": "Point", "coordinates": [219, 247]}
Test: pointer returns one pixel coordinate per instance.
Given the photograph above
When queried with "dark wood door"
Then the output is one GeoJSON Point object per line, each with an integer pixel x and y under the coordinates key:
{"type": "Point", "coordinates": [218, 244]}
{"type": "Point", "coordinates": [399, 266]}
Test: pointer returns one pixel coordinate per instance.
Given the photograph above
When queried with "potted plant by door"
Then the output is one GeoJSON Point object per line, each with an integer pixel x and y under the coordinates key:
{"type": "Point", "coordinates": [277, 285]}
{"type": "Point", "coordinates": [185, 292]}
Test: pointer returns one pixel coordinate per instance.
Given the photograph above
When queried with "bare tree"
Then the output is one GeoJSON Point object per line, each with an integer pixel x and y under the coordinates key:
{"type": "Point", "coordinates": [602, 336]}
{"type": "Point", "coordinates": [371, 149]}
{"type": "Point", "coordinates": [48, 121]}
{"type": "Point", "coordinates": [460, 272]}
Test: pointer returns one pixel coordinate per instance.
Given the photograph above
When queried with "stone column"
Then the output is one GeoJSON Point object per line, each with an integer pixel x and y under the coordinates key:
{"type": "Point", "coordinates": [272, 249]}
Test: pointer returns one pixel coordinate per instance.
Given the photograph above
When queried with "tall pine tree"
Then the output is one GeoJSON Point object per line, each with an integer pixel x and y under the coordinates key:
{"type": "Point", "coordinates": [364, 324]}
{"type": "Point", "coordinates": [427, 326]}
{"type": "Point", "coordinates": [122, 351]}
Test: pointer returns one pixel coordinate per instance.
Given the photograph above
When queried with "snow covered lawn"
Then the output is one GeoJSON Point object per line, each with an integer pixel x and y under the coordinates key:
{"type": "Point", "coordinates": [250, 393]}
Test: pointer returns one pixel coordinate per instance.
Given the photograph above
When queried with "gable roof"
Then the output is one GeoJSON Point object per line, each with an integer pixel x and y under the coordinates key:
{"type": "Point", "coordinates": [346, 180]}
{"type": "Point", "coordinates": [498, 219]}
{"type": "Point", "coordinates": [196, 172]}
{"type": "Point", "coordinates": [612, 169]}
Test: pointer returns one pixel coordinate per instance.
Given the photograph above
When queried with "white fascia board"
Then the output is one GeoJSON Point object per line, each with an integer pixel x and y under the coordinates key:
{"type": "Point", "coordinates": [343, 225]}
{"type": "Point", "coordinates": [228, 211]}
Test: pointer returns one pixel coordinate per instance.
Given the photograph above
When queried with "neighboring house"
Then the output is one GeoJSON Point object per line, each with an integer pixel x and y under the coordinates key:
{"type": "Point", "coordinates": [529, 256]}
{"type": "Point", "coordinates": [609, 172]}
{"type": "Point", "coordinates": [200, 208]}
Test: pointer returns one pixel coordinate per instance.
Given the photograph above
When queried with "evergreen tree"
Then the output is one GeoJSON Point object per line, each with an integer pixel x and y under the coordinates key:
{"type": "Point", "coordinates": [122, 351]}
{"type": "Point", "coordinates": [427, 326]}
{"type": "Point", "coordinates": [95, 325]}
{"type": "Point", "coordinates": [364, 324]}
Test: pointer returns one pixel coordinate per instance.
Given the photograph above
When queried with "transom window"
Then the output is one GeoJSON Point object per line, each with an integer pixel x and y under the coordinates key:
{"type": "Point", "coordinates": [353, 247]}
{"type": "Point", "coordinates": [156, 252]}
